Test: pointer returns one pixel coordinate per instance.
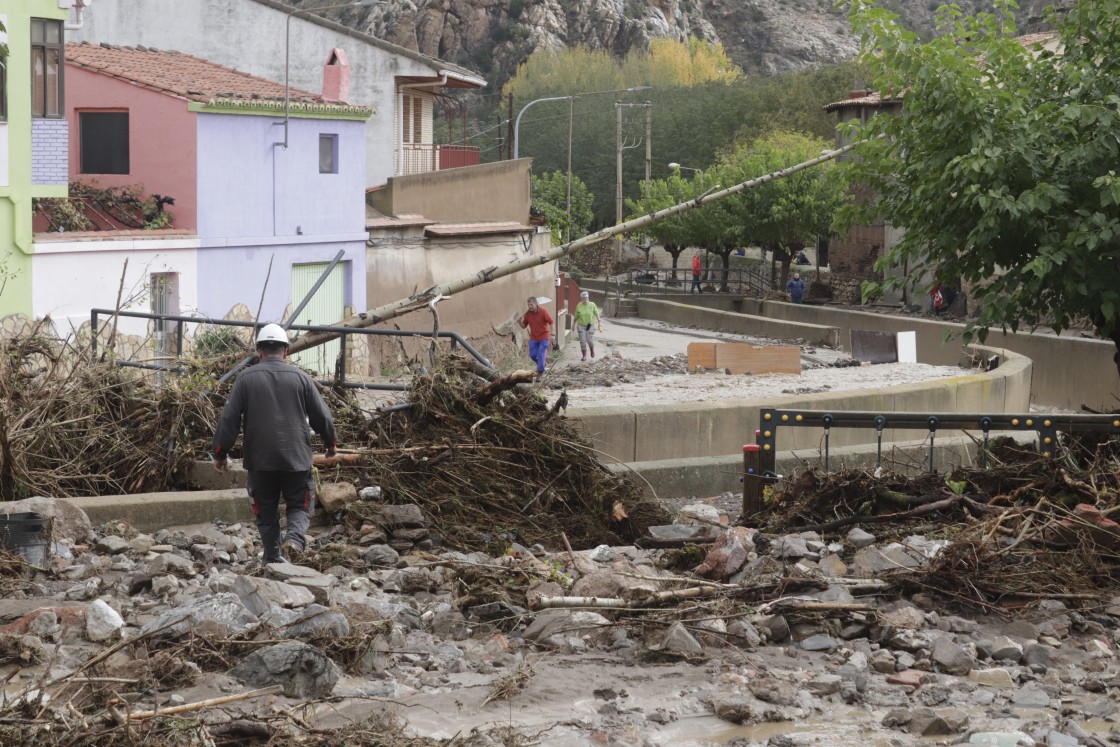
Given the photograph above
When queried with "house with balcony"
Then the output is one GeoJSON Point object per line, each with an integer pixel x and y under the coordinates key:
{"type": "Point", "coordinates": [33, 135]}
{"type": "Point", "coordinates": [275, 41]}
{"type": "Point", "coordinates": [265, 186]}
{"type": "Point", "coordinates": [410, 178]}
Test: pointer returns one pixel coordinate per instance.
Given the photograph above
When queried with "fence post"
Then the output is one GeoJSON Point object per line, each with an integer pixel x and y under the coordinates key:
{"type": "Point", "coordinates": [752, 481]}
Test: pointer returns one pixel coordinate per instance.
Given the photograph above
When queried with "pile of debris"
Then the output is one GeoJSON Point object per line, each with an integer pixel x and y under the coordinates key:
{"type": "Point", "coordinates": [487, 461]}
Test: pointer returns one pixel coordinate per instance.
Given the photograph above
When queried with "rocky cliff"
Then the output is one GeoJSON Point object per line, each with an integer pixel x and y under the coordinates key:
{"type": "Point", "coordinates": [761, 36]}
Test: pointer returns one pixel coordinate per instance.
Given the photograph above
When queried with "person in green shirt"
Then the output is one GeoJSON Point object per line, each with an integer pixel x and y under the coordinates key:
{"type": "Point", "coordinates": [587, 322]}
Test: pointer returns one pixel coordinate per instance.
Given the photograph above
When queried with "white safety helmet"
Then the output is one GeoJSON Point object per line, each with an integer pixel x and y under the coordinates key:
{"type": "Point", "coordinates": [272, 333]}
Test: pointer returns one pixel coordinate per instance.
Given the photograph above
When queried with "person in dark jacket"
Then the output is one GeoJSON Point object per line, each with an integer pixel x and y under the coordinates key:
{"type": "Point", "coordinates": [796, 288]}
{"type": "Point", "coordinates": [274, 402]}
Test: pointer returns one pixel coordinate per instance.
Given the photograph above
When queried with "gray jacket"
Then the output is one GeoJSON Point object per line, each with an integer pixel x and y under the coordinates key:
{"type": "Point", "coordinates": [274, 401]}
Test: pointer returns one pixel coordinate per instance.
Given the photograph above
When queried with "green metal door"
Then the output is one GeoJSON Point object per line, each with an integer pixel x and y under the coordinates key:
{"type": "Point", "coordinates": [325, 307]}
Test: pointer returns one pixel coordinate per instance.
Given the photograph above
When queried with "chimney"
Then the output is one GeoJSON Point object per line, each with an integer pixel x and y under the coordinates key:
{"type": "Point", "coordinates": [336, 77]}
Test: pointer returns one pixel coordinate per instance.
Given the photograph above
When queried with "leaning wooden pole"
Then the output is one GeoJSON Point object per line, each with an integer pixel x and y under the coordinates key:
{"type": "Point", "coordinates": [420, 300]}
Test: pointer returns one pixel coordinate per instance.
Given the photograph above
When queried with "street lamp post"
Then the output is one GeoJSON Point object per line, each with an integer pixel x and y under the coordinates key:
{"type": "Point", "coordinates": [677, 167]}
{"type": "Point", "coordinates": [517, 122]}
{"type": "Point", "coordinates": [287, 38]}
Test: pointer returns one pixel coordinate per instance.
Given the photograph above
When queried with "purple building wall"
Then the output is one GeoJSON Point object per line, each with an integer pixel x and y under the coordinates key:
{"type": "Point", "coordinates": [259, 203]}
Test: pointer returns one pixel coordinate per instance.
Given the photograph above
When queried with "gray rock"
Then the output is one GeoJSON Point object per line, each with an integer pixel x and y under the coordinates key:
{"type": "Point", "coordinates": [113, 545]}
{"type": "Point", "coordinates": [407, 515]}
{"type": "Point", "coordinates": [173, 564]}
{"type": "Point", "coordinates": [554, 622]}
{"type": "Point", "coordinates": [903, 616]}
{"type": "Point", "coordinates": [317, 621]}
{"type": "Point", "coordinates": [996, 677]}
{"type": "Point", "coordinates": [1002, 739]}
{"type": "Point", "coordinates": [260, 594]}
{"type": "Point", "coordinates": [819, 643]}
{"type": "Point", "coordinates": [1021, 629]}
{"type": "Point", "coordinates": [792, 546]}
{"type": "Point", "coordinates": [859, 538]}
{"type": "Point", "coordinates": [304, 671]}
{"type": "Point", "coordinates": [926, 722]}
{"type": "Point", "coordinates": [825, 684]}
{"type": "Point", "coordinates": [746, 635]}
{"type": "Point", "coordinates": [1037, 656]}
{"type": "Point", "coordinates": [1031, 695]}
{"type": "Point", "coordinates": [950, 658]}
{"type": "Point", "coordinates": [1003, 648]}
{"type": "Point", "coordinates": [68, 521]}
{"type": "Point", "coordinates": [320, 587]}
{"type": "Point", "coordinates": [381, 556]}
{"type": "Point", "coordinates": [883, 661]}
{"type": "Point", "coordinates": [220, 614]}
{"type": "Point", "coordinates": [681, 531]}
{"type": "Point", "coordinates": [102, 621]}
{"type": "Point", "coordinates": [733, 707]}
{"type": "Point", "coordinates": [1058, 739]}
{"type": "Point", "coordinates": [1053, 618]}
{"type": "Point", "coordinates": [372, 493]}
{"type": "Point", "coordinates": [773, 690]}
{"type": "Point", "coordinates": [163, 585]}
{"type": "Point", "coordinates": [679, 641]}
{"type": "Point", "coordinates": [776, 628]}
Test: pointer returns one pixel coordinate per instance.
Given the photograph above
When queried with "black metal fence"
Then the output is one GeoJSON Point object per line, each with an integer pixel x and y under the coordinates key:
{"type": "Point", "coordinates": [759, 458]}
{"type": "Point", "coordinates": [738, 280]}
{"type": "Point", "coordinates": [343, 332]}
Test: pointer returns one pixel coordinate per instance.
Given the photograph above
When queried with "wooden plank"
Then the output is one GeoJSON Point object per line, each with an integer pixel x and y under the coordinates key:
{"type": "Point", "coordinates": [743, 358]}
{"type": "Point", "coordinates": [702, 355]}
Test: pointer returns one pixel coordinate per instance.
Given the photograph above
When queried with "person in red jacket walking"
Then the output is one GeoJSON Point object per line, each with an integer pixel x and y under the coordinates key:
{"type": "Point", "coordinates": [539, 323]}
{"type": "Point", "coordinates": [696, 274]}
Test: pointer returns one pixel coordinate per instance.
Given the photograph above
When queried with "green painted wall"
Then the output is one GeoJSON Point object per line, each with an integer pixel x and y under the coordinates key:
{"type": "Point", "coordinates": [15, 199]}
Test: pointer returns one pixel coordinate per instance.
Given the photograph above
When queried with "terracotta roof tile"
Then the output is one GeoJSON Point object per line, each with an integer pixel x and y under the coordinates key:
{"type": "Point", "coordinates": [181, 75]}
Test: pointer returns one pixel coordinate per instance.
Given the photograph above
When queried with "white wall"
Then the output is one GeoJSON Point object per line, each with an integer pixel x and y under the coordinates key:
{"type": "Point", "coordinates": [69, 278]}
{"type": "Point", "coordinates": [249, 36]}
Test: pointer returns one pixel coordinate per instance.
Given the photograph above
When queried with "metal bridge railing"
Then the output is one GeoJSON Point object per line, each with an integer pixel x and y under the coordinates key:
{"type": "Point", "coordinates": [739, 280]}
{"type": "Point", "coordinates": [345, 332]}
{"type": "Point", "coordinates": [759, 458]}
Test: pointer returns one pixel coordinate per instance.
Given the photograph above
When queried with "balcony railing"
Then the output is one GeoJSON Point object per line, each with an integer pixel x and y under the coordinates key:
{"type": "Point", "coordinates": [421, 158]}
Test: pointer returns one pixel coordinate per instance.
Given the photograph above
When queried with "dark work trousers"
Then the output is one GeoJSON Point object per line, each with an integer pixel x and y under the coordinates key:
{"type": "Point", "coordinates": [265, 491]}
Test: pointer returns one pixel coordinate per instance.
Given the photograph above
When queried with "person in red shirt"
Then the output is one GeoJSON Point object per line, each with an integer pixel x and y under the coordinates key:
{"type": "Point", "coordinates": [696, 274]}
{"type": "Point", "coordinates": [539, 323]}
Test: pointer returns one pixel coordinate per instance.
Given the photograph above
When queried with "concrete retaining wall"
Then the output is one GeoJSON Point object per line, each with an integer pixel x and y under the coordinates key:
{"type": "Point", "coordinates": [707, 429]}
{"type": "Point", "coordinates": [1069, 371]}
{"type": "Point", "coordinates": [688, 315]}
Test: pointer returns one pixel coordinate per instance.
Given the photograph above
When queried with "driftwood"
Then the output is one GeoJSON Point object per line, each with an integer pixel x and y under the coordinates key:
{"type": "Point", "coordinates": [496, 387]}
{"type": "Point", "coordinates": [271, 690]}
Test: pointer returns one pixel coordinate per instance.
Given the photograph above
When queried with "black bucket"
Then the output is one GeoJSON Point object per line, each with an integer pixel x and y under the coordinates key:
{"type": "Point", "coordinates": [28, 534]}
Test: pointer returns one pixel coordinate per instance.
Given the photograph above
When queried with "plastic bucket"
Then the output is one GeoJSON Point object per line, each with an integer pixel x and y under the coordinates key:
{"type": "Point", "coordinates": [26, 533]}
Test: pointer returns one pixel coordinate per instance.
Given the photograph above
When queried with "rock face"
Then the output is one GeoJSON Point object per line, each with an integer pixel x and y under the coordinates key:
{"type": "Point", "coordinates": [761, 36]}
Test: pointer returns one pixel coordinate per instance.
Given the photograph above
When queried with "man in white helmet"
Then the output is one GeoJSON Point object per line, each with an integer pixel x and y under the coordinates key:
{"type": "Point", "coordinates": [274, 402]}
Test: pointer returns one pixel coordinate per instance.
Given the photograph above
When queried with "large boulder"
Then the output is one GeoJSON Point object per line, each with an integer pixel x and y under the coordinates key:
{"type": "Point", "coordinates": [67, 520]}
{"type": "Point", "coordinates": [304, 671]}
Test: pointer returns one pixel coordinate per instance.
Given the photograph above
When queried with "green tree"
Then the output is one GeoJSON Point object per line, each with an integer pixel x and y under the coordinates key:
{"type": "Point", "coordinates": [782, 214]}
{"type": "Point", "coordinates": [1000, 167]}
{"type": "Point", "coordinates": [671, 233]}
{"type": "Point", "coordinates": [550, 199]}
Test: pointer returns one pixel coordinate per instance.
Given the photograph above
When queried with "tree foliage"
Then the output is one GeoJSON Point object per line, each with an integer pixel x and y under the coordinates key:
{"type": "Point", "coordinates": [1001, 167]}
{"type": "Point", "coordinates": [777, 215]}
{"type": "Point", "coordinates": [691, 123]}
{"type": "Point", "coordinates": [783, 214]}
{"type": "Point", "coordinates": [3, 46]}
{"type": "Point", "coordinates": [550, 199]}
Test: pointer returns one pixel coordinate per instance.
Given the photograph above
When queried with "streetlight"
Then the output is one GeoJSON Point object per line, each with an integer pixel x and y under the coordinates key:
{"type": "Point", "coordinates": [517, 122]}
{"type": "Point", "coordinates": [677, 167]}
{"type": "Point", "coordinates": [288, 36]}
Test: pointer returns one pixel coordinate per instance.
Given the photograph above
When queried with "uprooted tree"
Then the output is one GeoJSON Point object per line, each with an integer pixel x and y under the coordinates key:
{"type": "Point", "coordinates": [999, 167]}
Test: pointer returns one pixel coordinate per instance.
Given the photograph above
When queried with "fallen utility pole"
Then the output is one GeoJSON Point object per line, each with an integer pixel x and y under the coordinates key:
{"type": "Point", "coordinates": [420, 300]}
